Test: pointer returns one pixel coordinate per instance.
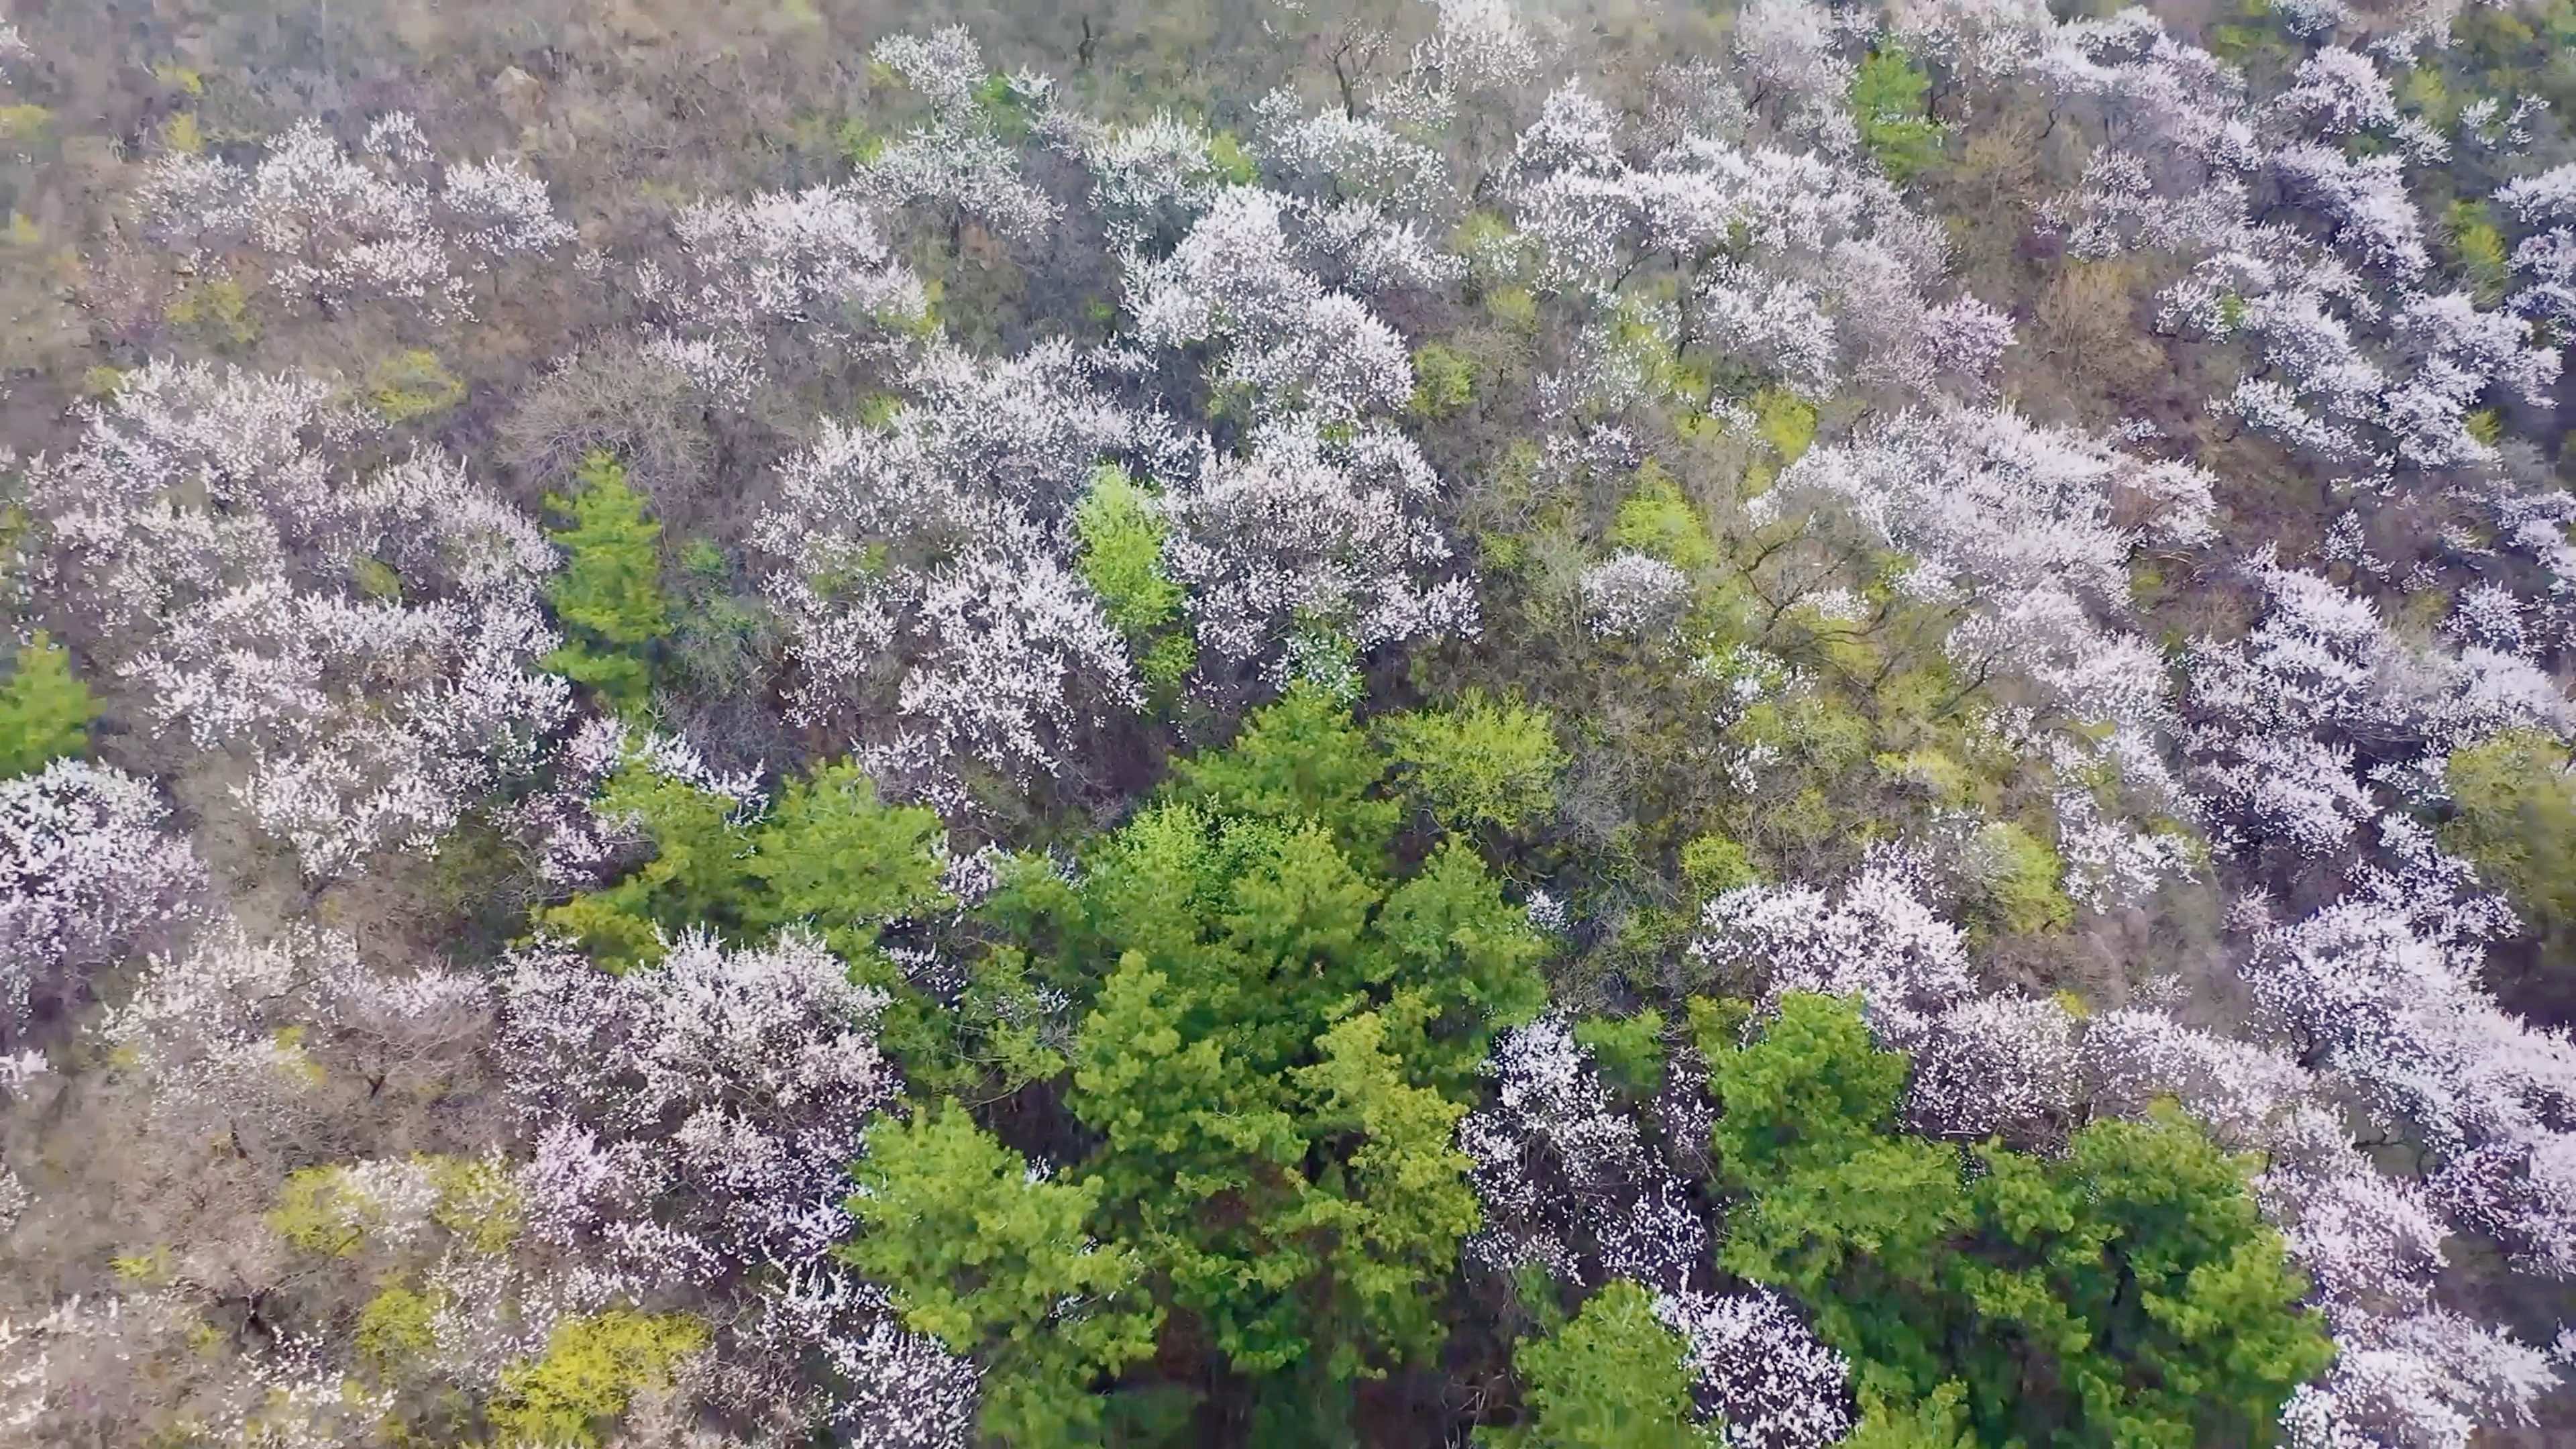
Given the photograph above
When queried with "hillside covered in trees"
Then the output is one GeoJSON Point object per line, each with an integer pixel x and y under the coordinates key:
{"type": "Point", "coordinates": [742, 724]}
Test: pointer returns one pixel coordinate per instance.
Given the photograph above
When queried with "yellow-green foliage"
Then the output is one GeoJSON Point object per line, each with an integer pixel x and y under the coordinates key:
{"type": "Point", "coordinates": [594, 1365]}
{"type": "Point", "coordinates": [1122, 559]}
{"type": "Point", "coordinates": [411, 385]}
{"type": "Point", "coordinates": [1888, 102]}
{"type": "Point", "coordinates": [44, 710]}
{"type": "Point", "coordinates": [478, 1200]}
{"type": "Point", "coordinates": [2469, 234]}
{"type": "Point", "coordinates": [1481, 762]}
{"type": "Point", "coordinates": [1713, 864]}
{"type": "Point", "coordinates": [180, 133]}
{"type": "Point", "coordinates": [1444, 380]}
{"type": "Point", "coordinates": [1786, 421]}
{"type": "Point", "coordinates": [24, 123]}
{"type": "Point", "coordinates": [375, 578]}
{"type": "Point", "coordinates": [217, 311]}
{"type": "Point", "coordinates": [1656, 519]}
{"type": "Point", "coordinates": [1122, 552]}
{"type": "Point", "coordinates": [393, 1329]}
{"type": "Point", "coordinates": [2513, 813]}
{"type": "Point", "coordinates": [1514, 307]}
{"type": "Point", "coordinates": [320, 1211]}
{"type": "Point", "coordinates": [2021, 891]}
{"type": "Point", "coordinates": [1225, 155]}
{"type": "Point", "coordinates": [147, 1268]}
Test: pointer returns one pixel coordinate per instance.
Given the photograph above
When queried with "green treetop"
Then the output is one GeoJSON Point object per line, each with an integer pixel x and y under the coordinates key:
{"type": "Point", "coordinates": [2513, 812]}
{"type": "Point", "coordinates": [609, 595]}
{"type": "Point", "coordinates": [1480, 762]}
{"type": "Point", "coordinates": [1273, 1040]}
{"type": "Point", "coordinates": [2126, 1293]}
{"type": "Point", "coordinates": [1611, 1379]}
{"type": "Point", "coordinates": [44, 711]}
{"type": "Point", "coordinates": [999, 1264]}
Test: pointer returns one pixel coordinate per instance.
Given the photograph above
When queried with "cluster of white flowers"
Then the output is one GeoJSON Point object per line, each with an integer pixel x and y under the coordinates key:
{"type": "Point", "coordinates": [1804, 262]}
{"type": "Point", "coordinates": [812, 262]}
{"type": "Point", "coordinates": [2275, 716]}
{"type": "Point", "coordinates": [889, 1386]}
{"type": "Point", "coordinates": [693, 1118]}
{"type": "Point", "coordinates": [1633, 595]}
{"type": "Point", "coordinates": [932, 554]}
{"type": "Point", "coordinates": [229, 1038]}
{"type": "Point", "coordinates": [342, 228]}
{"type": "Point", "coordinates": [958, 158]}
{"type": "Point", "coordinates": [1305, 528]}
{"type": "Point", "coordinates": [1876, 937]}
{"type": "Point", "coordinates": [1565, 1178]}
{"type": "Point", "coordinates": [364, 648]}
{"type": "Point", "coordinates": [88, 874]}
{"type": "Point", "coordinates": [1997, 1066]}
{"type": "Point", "coordinates": [1759, 1370]}
{"type": "Point", "coordinates": [1286, 344]}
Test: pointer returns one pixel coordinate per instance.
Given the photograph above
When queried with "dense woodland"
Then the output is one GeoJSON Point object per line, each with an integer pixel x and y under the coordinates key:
{"type": "Point", "coordinates": [733, 724]}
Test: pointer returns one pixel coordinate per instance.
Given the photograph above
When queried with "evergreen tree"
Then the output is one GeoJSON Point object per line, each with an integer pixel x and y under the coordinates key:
{"type": "Point", "coordinates": [2126, 1293]}
{"type": "Point", "coordinates": [44, 711]}
{"type": "Point", "coordinates": [1613, 1378]}
{"type": "Point", "coordinates": [609, 595]}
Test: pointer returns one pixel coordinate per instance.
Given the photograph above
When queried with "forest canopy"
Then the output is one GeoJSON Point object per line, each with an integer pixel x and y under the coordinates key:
{"type": "Point", "coordinates": [779, 723]}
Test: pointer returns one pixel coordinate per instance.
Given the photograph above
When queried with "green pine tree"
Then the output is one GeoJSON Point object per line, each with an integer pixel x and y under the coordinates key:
{"type": "Point", "coordinates": [609, 595]}
{"type": "Point", "coordinates": [44, 711]}
{"type": "Point", "coordinates": [1611, 1379]}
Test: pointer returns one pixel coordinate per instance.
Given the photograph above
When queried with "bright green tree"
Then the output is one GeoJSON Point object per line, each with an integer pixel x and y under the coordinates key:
{"type": "Point", "coordinates": [999, 1264]}
{"type": "Point", "coordinates": [44, 711]}
{"type": "Point", "coordinates": [697, 876]}
{"type": "Point", "coordinates": [1887, 102]}
{"type": "Point", "coordinates": [1300, 759]}
{"type": "Point", "coordinates": [1613, 1378]}
{"type": "Point", "coordinates": [1480, 762]}
{"type": "Point", "coordinates": [1275, 1039]}
{"type": "Point", "coordinates": [1122, 559]}
{"type": "Point", "coordinates": [609, 595]}
{"type": "Point", "coordinates": [831, 855]}
{"type": "Point", "coordinates": [835, 856]}
{"type": "Point", "coordinates": [2125, 1293]}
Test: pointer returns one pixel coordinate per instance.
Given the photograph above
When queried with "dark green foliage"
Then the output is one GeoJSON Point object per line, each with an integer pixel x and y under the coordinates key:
{"type": "Point", "coordinates": [831, 856]}
{"type": "Point", "coordinates": [1275, 1041]}
{"type": "Point", "coordinates": [1611, 1379]}
{"type": "Point", "coordinates": [2127, 1293]}
{"type": "Point", "coordinates": [609, 595]}
{"type": "Point", "coordinates": [1629, 1051]}
{"type": "Point", "coordinates": [44, 711]}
